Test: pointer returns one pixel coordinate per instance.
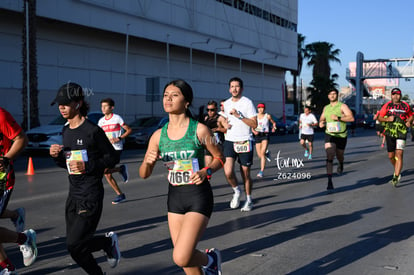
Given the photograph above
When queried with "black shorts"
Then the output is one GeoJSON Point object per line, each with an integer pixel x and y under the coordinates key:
{"type": "Point", "coordinates": [307, 137]}
{"type": "Point", "coordinates": [191, 198]}
{"type": "Point", "coordinates": [260, 137]}
{"type": "Point", "coordinates": [245, 159]}
{"type": "Point", "coordinates": [394, 143]}
{"type": "Point", "coordinates": [339, 142]}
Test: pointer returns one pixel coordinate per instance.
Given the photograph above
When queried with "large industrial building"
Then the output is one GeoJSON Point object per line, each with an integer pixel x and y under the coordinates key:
{"type": "Point", "coordinates": [129, 49]}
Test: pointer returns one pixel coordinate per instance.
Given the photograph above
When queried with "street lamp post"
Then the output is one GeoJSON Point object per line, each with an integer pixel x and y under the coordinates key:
{"type": "Point", "coordinates": [191, 56]}
{"type": "Point", "coordinates": [168, 56]}
{"type": "Point", "coordinates": [27, 65]}
{"type": "Point", "coordinates": [215, 61]}
{"type": "Point", "coordinates": [242, 54]}
{"type": "Point", "coordinates": [126, 67]}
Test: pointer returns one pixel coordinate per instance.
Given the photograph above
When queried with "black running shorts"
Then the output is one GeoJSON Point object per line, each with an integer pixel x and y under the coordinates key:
{"type": "Point", "coordinates": [338, 141]}
{"type": "Point", "coordinates": [191, 198]}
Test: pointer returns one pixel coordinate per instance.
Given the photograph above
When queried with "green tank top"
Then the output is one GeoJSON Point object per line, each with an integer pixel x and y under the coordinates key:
{"type": "Point", "coordinates": [333, 127]}
{"type": "Point", "coordinates": [186, 148]}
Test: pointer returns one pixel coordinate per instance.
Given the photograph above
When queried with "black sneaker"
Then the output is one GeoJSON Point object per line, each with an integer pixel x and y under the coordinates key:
{"type": "Point", "coordinates": [215, 267]}
{"type": "Point", "coordinates": [340, 169]}
{"type": "Point", "coordinates": [330, 186]}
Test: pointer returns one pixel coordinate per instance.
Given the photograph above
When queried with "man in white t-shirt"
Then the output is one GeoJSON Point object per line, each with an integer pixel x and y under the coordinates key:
{"type": "Point", "coordinates": [116, 130]}
{"type": "Point", "coordinates": [241, 117]}
{"type": "Point", "coordinates": [306, 123]}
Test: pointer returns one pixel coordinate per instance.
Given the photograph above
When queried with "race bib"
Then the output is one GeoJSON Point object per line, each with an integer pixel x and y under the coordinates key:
{"type": "Point", "coordinates": [180, 171]}
{"type": "Point", "coordinates": [242, 146]}
{"type": "Point", "coordinates": [334, 127]}
{"type": "Point", "coordinates": [75, 155]}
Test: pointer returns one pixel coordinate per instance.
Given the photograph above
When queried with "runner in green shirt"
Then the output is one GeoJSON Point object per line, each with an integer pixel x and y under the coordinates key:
{"type": "Point", "coordinates": [334, 117]}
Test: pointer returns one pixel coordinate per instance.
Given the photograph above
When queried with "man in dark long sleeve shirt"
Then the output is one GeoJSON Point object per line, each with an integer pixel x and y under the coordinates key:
{"type": "Point", "coordinates": [85, 153]}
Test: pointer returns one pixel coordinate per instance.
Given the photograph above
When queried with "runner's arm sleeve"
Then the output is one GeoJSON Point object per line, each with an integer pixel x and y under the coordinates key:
{"type": "Point", "coordinates": [60, 160]}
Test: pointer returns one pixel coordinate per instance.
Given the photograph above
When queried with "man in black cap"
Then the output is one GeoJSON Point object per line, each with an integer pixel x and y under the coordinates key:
{"type": "Point", "coordinates": [397, 116]}
{"type": "Point", "coordinates": [86, 152]}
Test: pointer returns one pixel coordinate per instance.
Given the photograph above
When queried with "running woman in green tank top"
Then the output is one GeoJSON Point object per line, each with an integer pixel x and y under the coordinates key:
{"type": "Point", "coordinates": [334, 117]}
{"type": "Point", "coordinates": [182, 157]}
{"type": "Point", "coordinates": [180, 145]}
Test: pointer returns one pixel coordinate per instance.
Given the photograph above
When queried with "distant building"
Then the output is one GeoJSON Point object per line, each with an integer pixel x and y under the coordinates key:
{"type": "Point", "coordinates": [203, 42]}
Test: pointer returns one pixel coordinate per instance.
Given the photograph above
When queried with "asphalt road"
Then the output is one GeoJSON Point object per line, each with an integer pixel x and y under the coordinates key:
{"type": "Point", "coordinates": [365, 227]}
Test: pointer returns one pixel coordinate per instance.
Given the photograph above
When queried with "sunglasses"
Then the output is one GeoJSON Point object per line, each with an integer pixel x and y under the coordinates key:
{"type": "Point", "coordinates": [211, 110]}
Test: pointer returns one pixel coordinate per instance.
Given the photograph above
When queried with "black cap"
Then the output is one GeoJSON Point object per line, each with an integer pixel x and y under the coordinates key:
{"type": "Point", "coordinates": [67, 93]}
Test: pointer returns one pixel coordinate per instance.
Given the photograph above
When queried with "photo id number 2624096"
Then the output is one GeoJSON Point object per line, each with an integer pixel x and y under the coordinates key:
{"type": "Point", "coordinates": [293, 176]}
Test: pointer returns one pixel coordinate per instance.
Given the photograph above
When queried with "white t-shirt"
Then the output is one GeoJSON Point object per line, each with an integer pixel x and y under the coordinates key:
{"type": "Point", "coordinates": [305, 121]}
{"type": "Point", "coordinates": [239, 130]}
{"type": "Point", "coordinates": [113, 129]}
{"type": "Point", "coordinates": [263, 124]}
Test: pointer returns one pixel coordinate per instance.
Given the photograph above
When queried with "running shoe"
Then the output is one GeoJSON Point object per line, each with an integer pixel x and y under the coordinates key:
{"type": "Point", "coordinates": [119, 199]}
{"type": "Point", "coordinates": [29, 248]}
{"type": "Point", "coordinates": [6, 271]}
{"type": "Point", "coordinates": [235, 201]}
{"type": "Point", "coordinates": [215, 267]}
{"type": "Point", "coordinates": [340, 168]}
{"type": "Point", "coordinates": [260, 174]}
{"type": "Point", "coordinates": [268, 156]}
{"type": "Point", "coordinates": [395, 180]}
{"type": "Point", "coordinates": [310, 156]}
{"type": "Point", "coordinates": [20, 221]}
{"type": "Point", "coordinates": [306, 153]}
{"type": "Point", "coordinates": [123, 170]}
{"type": "Point", "coordinates": [330, 186]}
{"type": "Point", "coordinates": [248, 206]}
{"type": "Point", "coordinates": [115, 257]}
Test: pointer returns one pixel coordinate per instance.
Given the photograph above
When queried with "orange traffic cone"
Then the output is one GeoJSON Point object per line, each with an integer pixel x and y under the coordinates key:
{"type": "Point", "coordinates": [30, 169]}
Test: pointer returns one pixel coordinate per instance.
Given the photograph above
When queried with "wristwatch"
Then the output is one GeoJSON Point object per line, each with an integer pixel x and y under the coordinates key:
{"type": "Point", "coordinates": [209, 172]}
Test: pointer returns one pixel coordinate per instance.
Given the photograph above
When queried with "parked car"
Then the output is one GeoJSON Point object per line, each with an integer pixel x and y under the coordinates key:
{"type": "Point", "coordinates": [369, 122]}
{"type": "Point", "coordinates": [40, 138]}
{"type": "Point", "coordinates": [138, 125]}
{"type": "Point", "coordinates": [292, 124]}
{"type": "Point", "coordinates": [143, 135]}
{"type": "Point", "coordinates": [94, 116]}
{"type": "Point", "coordinates": [280, 125]}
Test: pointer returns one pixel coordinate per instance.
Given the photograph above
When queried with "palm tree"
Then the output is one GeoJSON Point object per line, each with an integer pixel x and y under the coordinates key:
{"type": "Point", "coordinates": [319, 55]}
{"type": "Point", "coordinates": [34, 106]}
{"type": "Point", "coordinates": [301, 53]}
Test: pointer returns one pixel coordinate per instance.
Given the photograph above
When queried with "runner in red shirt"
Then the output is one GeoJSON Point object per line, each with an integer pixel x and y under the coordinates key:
{"type": "Point", "coordinates": [12, 141]}
{"type": "Point", "coordinates": [397, 116]}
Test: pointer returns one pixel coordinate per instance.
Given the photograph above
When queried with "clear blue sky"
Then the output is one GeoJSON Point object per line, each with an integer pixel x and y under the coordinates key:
{"type": "Point", "coordinates": [377, 28]}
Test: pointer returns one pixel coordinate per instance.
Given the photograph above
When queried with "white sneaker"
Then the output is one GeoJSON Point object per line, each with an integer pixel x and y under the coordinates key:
{"type": "Point", "coordinates": [248, 206]}
{"type": "Point", "coordinates": [235, 201]}
{"type": "Point", "coordinates": [29, 248]}
{"type": "Point", "coordinates": [6, 271]}
{"type": "Point", "coordinates": [115, 256]}
{"type": "Point", "coordinates": [268, 156]}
